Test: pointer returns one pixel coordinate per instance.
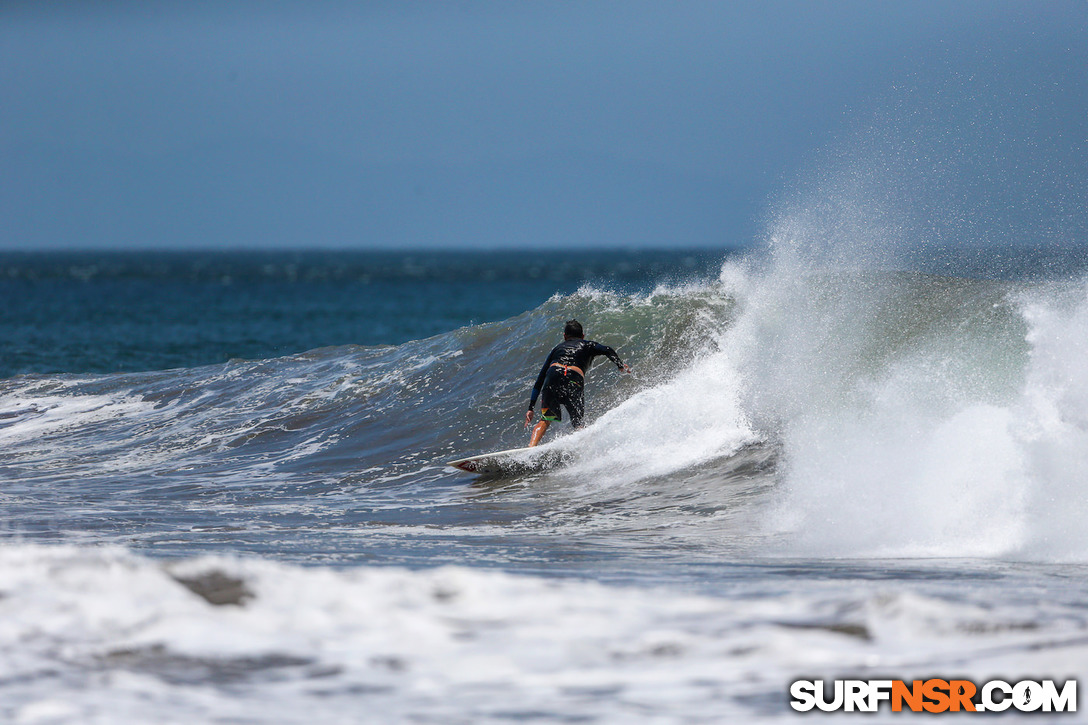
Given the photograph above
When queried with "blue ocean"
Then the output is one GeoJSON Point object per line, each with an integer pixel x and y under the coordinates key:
{"type": "Point", "coordinates": [224, 498]}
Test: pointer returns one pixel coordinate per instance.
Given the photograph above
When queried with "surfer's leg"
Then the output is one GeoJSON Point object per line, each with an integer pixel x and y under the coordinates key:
{"type": "Point", "coordinates": [576, 406]}
{"type": "Point", "coordinates": [538, 432]}
{"type": "Point", "coordinates": [550, 410]}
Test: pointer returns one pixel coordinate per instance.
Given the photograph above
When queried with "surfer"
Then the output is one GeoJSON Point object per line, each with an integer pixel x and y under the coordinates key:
{"type": "Point", "coordinates": [561, 381]}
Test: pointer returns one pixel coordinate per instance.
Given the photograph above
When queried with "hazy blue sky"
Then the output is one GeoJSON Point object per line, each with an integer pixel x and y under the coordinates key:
{"type": "Point", "coordinates": [390, 124]}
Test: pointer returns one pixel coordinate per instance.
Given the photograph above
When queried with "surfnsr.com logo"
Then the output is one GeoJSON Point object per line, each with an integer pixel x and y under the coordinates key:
{"type": "Point", "coordinates": [934, 695]}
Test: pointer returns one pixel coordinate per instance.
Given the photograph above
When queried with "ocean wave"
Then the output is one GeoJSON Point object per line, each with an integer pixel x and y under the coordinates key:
{"type": "Point", "coordinates": [824, 412]}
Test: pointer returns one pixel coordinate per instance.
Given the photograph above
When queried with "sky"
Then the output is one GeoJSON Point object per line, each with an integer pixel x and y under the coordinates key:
{"type": "Point", "coordinates": [362, 125]}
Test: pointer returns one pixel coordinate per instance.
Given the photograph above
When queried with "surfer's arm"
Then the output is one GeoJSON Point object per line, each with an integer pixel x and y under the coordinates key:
{"type": "Point", "coordinates": [536, 391]}
{"type": "Point", "coordinates": [539, 385]}
{"type": "Point", "coordinates": [611, 354]}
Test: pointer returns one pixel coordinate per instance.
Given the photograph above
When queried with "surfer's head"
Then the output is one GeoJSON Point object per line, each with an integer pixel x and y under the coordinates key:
{"type": "Point", "coordinates": [573, 329]}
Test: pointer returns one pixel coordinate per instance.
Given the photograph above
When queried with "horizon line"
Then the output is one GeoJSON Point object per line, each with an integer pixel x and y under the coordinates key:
{"type": "Point", "coordinates": [370, 250]}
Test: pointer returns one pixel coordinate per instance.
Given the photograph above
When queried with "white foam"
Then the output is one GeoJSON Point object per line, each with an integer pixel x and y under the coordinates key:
{"type": "Point", "coordinates": [37, 416]}
{"type": "Point", "coordinates": [99, 635]}
{"type": "Point", "coordinates": [690, 419]}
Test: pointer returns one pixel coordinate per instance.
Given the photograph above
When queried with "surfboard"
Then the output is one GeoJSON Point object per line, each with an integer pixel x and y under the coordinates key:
{"type": "Point", "coordinates": [513, 461]}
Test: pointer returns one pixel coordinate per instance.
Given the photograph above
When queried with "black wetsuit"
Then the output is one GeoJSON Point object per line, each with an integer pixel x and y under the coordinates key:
{"type": "Point", "coordinates": [560, 385]}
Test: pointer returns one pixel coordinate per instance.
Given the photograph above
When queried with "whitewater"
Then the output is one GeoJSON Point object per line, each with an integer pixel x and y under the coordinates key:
{"type": "Point", "coordinates": [817, 470]}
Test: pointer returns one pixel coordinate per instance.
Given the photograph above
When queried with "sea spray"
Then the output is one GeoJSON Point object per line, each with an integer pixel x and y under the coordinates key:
{"type": "Point", "coordinates": [922, 414]}
{"type": "Point", "coordinates": [1052, 420]}
{"type": "Point", "coordinates": [918, 415]}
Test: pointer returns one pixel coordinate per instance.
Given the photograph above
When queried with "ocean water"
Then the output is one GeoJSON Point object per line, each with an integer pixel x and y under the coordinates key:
{"type": "Point", "coordinates": [223, 495]}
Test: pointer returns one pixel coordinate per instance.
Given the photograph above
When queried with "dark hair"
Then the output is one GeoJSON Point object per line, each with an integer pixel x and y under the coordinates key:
{"type": "Point", "coordinates": [573, 328]}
